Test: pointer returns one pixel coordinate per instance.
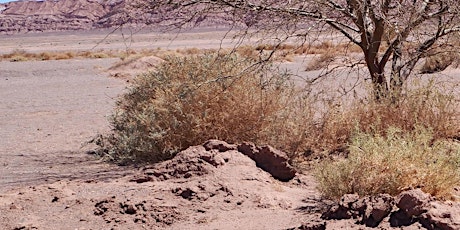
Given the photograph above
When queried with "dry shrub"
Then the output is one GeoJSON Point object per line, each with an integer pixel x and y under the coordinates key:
{"type": "Point", "coordinates": [249, 52]}
{"type": "Point", "coordinates": [97, 55]}
{"type": "Point", "coordinates": [45, 56]}
{"type": "Point", "coordinates": [320, 62]}
{"type": "Point", "coordinates": [440, 62]}
{"type": "Point", "coordinates": [327, 47]}
{"type": "Point", "coordinates": [391, 146]}
{"type": "Point", "coordinates": [17, 55]}
{"type": "Point", "coordinates": [18, 58]}
{"type": "Point", "coordinates": [126, 61]}
{"type": "Point", "coordinates": [426, 106]}
{"type": "Point", "coordinates": [190, 51]}
{"type": "Point", "coordinates": [391, 163]}
{"type": "Point", "coordinates": [64, 56]}
{"type": "Point", "coordinates": [189, 100]}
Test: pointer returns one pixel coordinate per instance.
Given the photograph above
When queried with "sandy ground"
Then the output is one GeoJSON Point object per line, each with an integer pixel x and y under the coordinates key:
{"type": "Point", "coordinates": [49, 109]}
{"type": "Point", "coordinates": [116, 40]}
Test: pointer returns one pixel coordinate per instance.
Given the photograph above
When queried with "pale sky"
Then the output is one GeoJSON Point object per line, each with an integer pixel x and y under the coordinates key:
{"type": "Point", "coordinates": [3, 1]}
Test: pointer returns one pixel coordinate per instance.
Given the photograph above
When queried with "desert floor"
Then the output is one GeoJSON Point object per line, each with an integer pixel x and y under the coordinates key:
{"type": "Point", "coordinates": [50, 109]}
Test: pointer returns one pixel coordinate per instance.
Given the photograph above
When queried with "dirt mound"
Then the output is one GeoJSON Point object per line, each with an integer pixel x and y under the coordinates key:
{"type": "Point", "coordinates": [132, 67]}
{"type": "Point", "coordinates": [204, 187]}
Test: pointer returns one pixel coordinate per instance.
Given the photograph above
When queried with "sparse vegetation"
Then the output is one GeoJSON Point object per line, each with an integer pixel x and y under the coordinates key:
{"type": "Point", "coordinates": [391, 163]}
{"type": "Point", "coordinates": [284, 52]}
{"type": "Point", "coordinates": [191, 99]}
{"type": "Point", "coordinates": [22, 55]}
{"type": "Point", "coordinates": [194, 97]}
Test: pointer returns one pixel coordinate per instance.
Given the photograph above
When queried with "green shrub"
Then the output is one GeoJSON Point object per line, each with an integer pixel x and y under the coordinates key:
{"type": "Point", "coordinates": [392, 163]}
{"type": "Point", "coordinates": [189, 100]}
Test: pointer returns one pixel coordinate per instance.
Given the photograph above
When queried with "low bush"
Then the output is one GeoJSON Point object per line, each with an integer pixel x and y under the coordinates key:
{"type": "Point", "coordinates": [392, 163]}
{"type": "Point", "coordinates": [425, 106]}
{"type": "Point", "coordinates": [189, 100]}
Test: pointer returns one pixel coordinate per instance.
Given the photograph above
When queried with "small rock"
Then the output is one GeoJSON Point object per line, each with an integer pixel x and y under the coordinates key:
{"type": "Point", "coordinates": [141, 179]}
{"type": "Point", "coordinates": [400, 218]}
{"type": "Point", "coordinates": [372, 210]}
{"type": "Point", "coordinates": [344, 209]}
{"type": "Point", "coordinates": [186, 193]}
{"type": "Point", "coordinates": [213, 159]}
{"type": "Point", "coordinates": [130, 209]}
{"type": "Point", "coordinates": [348, 200]}
{"type": "Point", "coordinates": [102, 207]}
{"type": "Point", "coordinates": [222, 146]}
{"type": "Point", "coordinates": [413, 202]}
{"type": "Point", "coordinates": [337, 212]}
{"type": "Point", "coordinates": [377, 208]}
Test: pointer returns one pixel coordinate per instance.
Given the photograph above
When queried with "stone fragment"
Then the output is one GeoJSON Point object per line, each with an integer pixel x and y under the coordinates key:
{"type": "Point", "coordinates": [413, 202]}
{"type": "Point", "coordinates": [377, 208]}
{"type": "Point", "coordinates": [270, 160]}
{"type": "Point", "coordinates": [222, 146]}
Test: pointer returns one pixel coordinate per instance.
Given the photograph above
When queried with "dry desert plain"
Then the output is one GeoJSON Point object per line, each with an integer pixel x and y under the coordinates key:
{"type": "Point", "coordinates": [49, 109]}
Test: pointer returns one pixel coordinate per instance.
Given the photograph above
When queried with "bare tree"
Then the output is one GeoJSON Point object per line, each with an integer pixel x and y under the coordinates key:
{"type": "Point", "coordinates": [394, 35]}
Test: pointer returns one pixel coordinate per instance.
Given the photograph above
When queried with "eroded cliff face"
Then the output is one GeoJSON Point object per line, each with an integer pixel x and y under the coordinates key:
{"type": "Point", "coordinates": [55, 15]}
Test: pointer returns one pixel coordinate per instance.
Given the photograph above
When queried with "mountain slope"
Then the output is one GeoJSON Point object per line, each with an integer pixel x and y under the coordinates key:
{"type": "Point", "coordinates": [52, 15]}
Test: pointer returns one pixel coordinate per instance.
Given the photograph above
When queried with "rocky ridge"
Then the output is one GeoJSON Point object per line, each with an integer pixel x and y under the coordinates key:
{"type": "Point", "coordinates": [39, 16]}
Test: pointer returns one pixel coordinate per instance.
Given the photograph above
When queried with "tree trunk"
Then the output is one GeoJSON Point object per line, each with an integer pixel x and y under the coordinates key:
{"type": "Point", "coordinates": [380, 86]}
{"type": "Point", "coordinates": [379, 83]}
{"type": "Point", "coordinates": [396, 82]}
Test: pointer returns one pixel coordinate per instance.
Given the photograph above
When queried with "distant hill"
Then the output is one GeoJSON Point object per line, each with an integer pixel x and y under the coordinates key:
{"type": "Point", "coordinates": [57, 15]}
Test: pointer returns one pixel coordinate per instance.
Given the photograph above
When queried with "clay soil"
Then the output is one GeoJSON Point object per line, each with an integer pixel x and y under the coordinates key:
{"type": "Point", "coordinates": [50, 109]}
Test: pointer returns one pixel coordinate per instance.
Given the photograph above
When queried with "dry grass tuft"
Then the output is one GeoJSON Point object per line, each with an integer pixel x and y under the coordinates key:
{"type": "Point", "coordinates": [397, 161]}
